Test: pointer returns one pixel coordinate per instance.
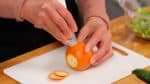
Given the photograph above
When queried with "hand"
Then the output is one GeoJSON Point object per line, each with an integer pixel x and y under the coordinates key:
{"type": "Point", "coordinates": [97, 32]}
{"type": "Point", "coordinates": [51, 16]}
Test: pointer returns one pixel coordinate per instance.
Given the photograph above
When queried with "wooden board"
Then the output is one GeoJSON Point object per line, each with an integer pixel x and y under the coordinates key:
{"type": "Point", "coordinates": [131, 79]}
{"type": "Point", "coordinates": [123, 36]}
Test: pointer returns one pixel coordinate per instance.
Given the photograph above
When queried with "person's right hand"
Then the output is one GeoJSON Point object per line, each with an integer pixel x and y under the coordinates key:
{"type": "Point", "coordinates": [51, 16]}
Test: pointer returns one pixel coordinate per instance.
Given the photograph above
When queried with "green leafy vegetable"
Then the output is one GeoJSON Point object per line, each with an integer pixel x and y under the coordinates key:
{"type": "Point", "coordinates": [142, 74]}
{"type": "Point", "coordinates": [140, 25]}
{"type": "Point", "coordinates": [143, 11]}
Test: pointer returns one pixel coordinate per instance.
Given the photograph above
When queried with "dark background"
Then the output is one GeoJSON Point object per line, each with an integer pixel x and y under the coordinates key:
{"type": "Point", "coordinates": [113, 9]}
{"type": "Point", "coordinates": [18, 38]}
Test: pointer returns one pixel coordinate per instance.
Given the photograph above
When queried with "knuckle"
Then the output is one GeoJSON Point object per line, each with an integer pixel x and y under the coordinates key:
{"type": "Point", "coordinates": [85, 29]}
{"type": "Point", "coordinates": [58, 19]}
{"type": "Point", "coordinates": [60, 22]}
{"type": "Point", "coordinates": [45, 5]}
{"type": "Point", "coordinates": [68, 15]}
{"type": "Point", "coordinates": [68, 18]}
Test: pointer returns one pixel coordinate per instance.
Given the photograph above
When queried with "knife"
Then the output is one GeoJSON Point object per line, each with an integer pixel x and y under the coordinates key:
{"type": "Point", "coordinates": [73, 40]}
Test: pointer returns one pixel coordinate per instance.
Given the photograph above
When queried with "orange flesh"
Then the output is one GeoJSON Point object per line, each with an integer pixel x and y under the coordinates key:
{"type": "Point", "coordinates": [61, 73]}
{"type": "Point", "coordinates": [58, 75]}
{"type": "Point", "coordinates": [55, 77]}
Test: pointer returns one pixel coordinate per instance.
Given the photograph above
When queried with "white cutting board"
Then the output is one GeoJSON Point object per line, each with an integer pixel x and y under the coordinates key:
{"type": "Point", "coordinates": [36, 70]}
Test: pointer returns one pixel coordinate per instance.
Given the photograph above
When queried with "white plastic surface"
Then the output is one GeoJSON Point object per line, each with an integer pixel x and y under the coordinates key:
{"type": "Point", "coordinates": [36, 70]}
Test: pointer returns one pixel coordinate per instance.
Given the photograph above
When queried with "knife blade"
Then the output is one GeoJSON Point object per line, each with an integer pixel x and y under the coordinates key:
{"type": "Point", "coordinates": [73, 40]}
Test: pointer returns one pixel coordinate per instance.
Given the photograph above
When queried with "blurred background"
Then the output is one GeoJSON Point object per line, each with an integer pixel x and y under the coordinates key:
{"type": "Point", "coordinates": [113, 9]}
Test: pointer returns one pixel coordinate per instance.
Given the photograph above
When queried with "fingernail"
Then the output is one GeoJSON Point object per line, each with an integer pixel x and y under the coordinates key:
{"type": "Point", "coordinates": [92, 61]}
{"type": "Point", "coordinates": [71, 36]}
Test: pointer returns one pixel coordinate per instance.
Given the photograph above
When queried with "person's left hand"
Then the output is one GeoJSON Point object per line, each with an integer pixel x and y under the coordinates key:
{"type": "Point", "coordinates": [95, 29]}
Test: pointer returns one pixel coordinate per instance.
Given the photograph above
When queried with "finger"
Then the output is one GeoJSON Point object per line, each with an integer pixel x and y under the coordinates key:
{"type": "Point", "coordinates": [103, 49]}
{"type": "Point", "coordinates": [51, 28]}
{"type": "Point", "coordinates": [96, 37]}
{"type": "Point", "coordinates": [103, 59]}
{"type": "Point", "coordinates": [83, 33]}
{"type": "Point", "coordinates": [67, 17]}
{"type": "Point", "coordinates": [58, 20]}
